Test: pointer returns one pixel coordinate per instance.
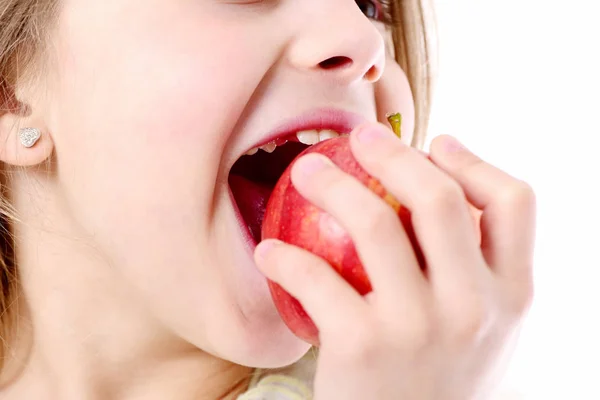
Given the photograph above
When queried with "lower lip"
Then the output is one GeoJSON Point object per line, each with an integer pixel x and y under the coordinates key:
{"type": "Point", "coordinates": [248, 238]}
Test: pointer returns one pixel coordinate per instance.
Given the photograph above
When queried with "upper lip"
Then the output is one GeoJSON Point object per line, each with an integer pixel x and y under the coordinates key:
{"type": "Point", "coordinates": [335, 119]}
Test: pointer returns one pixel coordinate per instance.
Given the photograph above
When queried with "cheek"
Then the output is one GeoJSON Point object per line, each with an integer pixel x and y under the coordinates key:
{"type": "Point", "coordinates": [144, 116]}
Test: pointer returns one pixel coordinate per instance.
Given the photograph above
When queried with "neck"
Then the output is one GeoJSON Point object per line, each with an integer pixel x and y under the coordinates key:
{"type": "Point", "coordinates": [83, 336]}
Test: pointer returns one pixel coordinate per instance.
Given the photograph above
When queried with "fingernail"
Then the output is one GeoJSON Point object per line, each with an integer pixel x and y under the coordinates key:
{"type": "Point", "coordinates": [263, 248]}
{"type": "Point", "coordinates": [370, 134]}
{"type": "Point", "coordinates": [312, 163]}
{"type": "Point", "coordinates": [452, 145]}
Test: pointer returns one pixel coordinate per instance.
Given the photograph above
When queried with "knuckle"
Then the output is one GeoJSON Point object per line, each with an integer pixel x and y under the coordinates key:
{"type": "Point", "coordinates": [417, 337]}
{"type": "Point", "coordinates": [331, 180]}
{"type": "Point", "coordinates": [384, 161]}
{"type": "Point", "coordinates": [527, 297]}
{"type": "Point", "coordinates": [445, 197]}
{"type": "Point", "coordinates": [300, 268]}
{"type": "Point", "coordinates": [380, 222]}
{"type": "Point", "coordinates": [470, 162]}
{"type": "Point", "coordinates": [380, 163]}
{"type": "Point", "coordinates": [520, 194]}
{"type": "Point", "coordinates": [309, 274]}
{"type": "Point", "coordinates": [521, 301]}
{"type": "Point", "coordinates": [396, 151]}
{"type": "Point", "coordinates": [470, 325]}
{"type": "Point", "coordinates": [361, 344]}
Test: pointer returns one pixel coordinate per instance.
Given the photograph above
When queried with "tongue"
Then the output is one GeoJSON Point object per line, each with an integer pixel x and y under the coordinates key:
{"type": "Point", "coordinates": [251, 198]}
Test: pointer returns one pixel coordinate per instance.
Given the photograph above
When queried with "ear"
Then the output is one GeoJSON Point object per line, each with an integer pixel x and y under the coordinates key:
{"type": "Point", "coordinates": [15, 116]}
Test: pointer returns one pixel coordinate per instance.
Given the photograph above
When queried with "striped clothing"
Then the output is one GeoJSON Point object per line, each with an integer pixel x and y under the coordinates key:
{"type": "Point", "coordinates": [290, 383]}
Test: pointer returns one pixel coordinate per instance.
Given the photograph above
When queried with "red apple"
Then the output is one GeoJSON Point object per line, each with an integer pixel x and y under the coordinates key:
{"type": "Point", "coordinates": [290, 218]}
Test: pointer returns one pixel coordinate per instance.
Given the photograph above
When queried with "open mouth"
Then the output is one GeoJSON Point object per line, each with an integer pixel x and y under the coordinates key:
{"type": "Point", "coordinates": [253, 176]}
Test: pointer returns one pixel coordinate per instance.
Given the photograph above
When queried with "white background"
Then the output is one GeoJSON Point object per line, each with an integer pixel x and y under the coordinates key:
{"type": "Point", "coordinates": [518, 84]}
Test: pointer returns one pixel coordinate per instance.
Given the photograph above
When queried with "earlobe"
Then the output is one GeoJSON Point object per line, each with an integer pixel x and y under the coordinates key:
{"type": "Point", "coordinates": [23, 142]}
{"type": "Point", "coordinates": [29, 136]}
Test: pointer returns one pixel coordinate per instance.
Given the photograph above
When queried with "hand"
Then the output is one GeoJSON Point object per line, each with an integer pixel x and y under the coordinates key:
{"type": "Point", "coordinates": [416, 336]}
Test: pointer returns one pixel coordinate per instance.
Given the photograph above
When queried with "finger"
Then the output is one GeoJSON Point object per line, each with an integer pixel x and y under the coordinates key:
{"type": "Point", "coordinates": [329, 300]}
{"type": "Point", "coordinates": [374, 226]}
{"type": "Point", "coordinates": [508, 205]}
{"type": "Point", "coordinates": [440, 214]}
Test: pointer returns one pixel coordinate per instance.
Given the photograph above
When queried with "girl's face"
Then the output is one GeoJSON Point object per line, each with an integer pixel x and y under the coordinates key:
{"type": "Point", "coordinates": [151, 102]}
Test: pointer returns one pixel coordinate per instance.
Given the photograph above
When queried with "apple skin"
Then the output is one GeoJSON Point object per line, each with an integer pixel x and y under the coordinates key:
{"type": "Point", "coordinates": [292, 219]}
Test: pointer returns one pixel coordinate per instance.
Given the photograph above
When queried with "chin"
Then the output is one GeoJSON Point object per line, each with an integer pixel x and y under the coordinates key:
{"type": "Point", "coordinates": [257, 343]}
{"type": "Point", "coordinates": [272, 347]}
{"type": "Point", "coordinates": [250, 331]}
{"type": "Point", "coordinates": [267, 341]}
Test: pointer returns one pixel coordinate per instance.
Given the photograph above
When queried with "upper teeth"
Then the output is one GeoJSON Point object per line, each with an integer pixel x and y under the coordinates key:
{"type": "Point", "coordinates": [269, 147]}
{"type": "Point", "coordinates": [306, 137]}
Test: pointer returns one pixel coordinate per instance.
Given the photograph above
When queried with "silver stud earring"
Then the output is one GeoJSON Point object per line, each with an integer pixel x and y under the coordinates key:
{"type": "Point", "coordinates": [29, 136]}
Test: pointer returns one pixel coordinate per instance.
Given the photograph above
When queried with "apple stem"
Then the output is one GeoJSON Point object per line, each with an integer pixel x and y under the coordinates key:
{"type": "Point", "coordinates": [395, 121]}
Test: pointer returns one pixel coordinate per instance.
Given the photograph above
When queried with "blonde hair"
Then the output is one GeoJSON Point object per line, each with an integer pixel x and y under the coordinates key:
{"type": "Point", "coordinates": [23, 24]}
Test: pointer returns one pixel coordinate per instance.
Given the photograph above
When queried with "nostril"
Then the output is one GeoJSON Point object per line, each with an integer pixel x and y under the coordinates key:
{"type": "Point", "coordinates": [373, 74]}
{"type": "Point", "coordinates": [336, 62]}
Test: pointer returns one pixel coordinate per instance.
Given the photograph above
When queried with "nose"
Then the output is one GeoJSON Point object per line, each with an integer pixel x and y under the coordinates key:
{"type": "Point", "coordinates": [338, 41]}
